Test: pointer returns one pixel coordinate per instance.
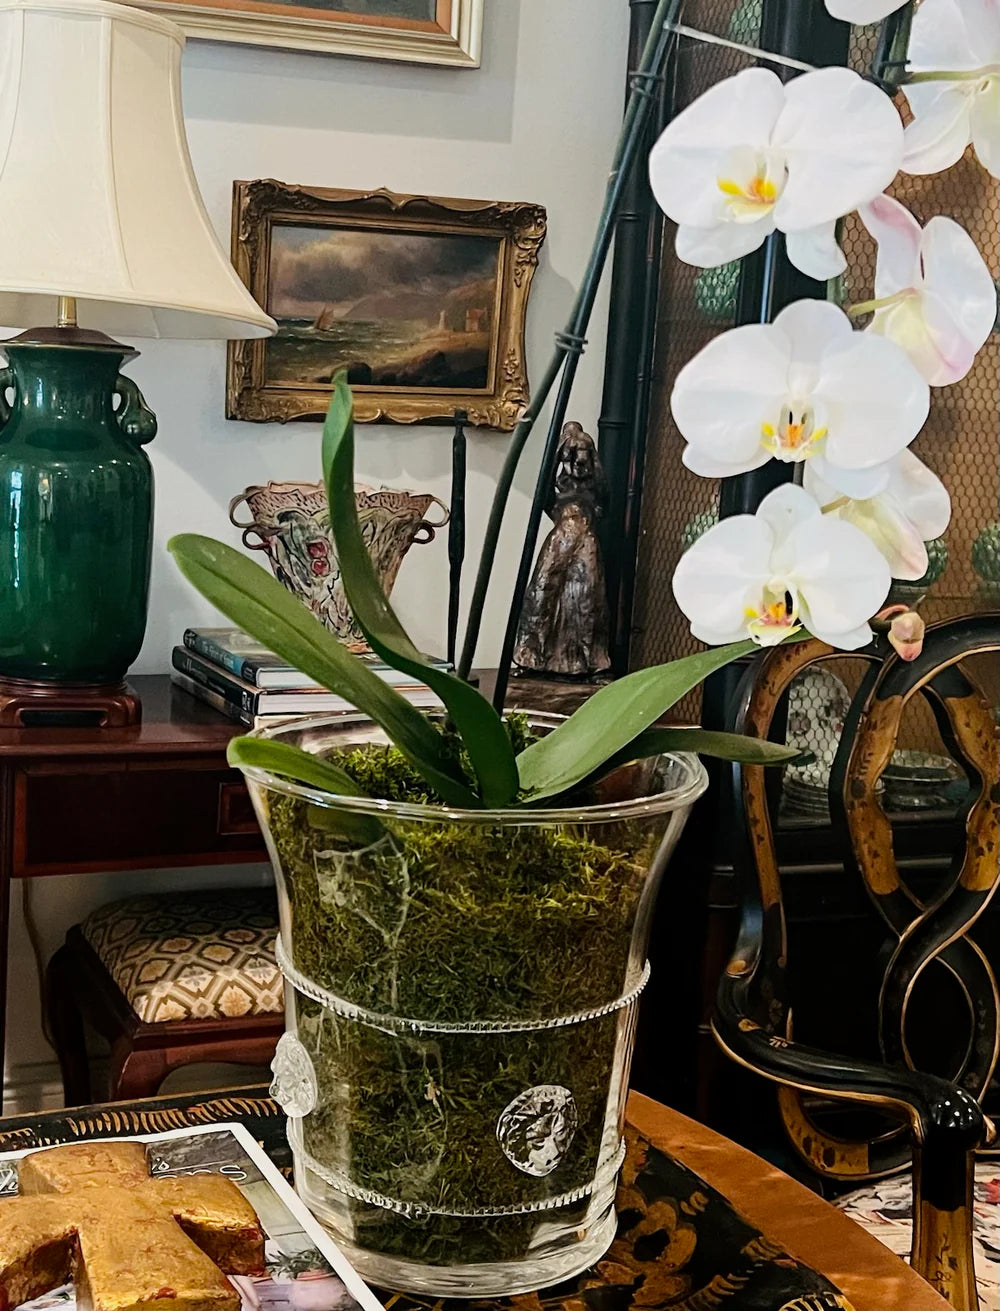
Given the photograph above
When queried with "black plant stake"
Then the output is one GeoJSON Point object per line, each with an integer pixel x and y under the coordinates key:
{"type": "Point", "coordinates": [889, 64]}
{"type": "Point", "coordinates": [456, 531]}
{"type": "Point", "coordinates": [569, 347]}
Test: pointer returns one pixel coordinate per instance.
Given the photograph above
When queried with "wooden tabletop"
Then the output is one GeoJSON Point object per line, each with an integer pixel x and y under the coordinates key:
{"type": "Point", "coordinates": [175, 722]}
{"type": "Point", "coordinates": [868, 1274]}
{"type": "Point", "coordinates": [172, 722]}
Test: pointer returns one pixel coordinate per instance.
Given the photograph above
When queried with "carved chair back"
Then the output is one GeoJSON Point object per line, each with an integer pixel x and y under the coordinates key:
{"type": "Point", "coordinates": [927, 936]}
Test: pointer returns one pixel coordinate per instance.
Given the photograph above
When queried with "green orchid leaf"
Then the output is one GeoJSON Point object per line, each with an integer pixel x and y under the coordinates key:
{"type": "Point", "coordinates": [312, 771]}
{"type": "Point", "coordinates": [257, 603]}
{"type": "Point", "coordinates": [703, 742]}
{"type": "Point", "coordinates": [478, 724]}
{"type": "Point", "coordinates": [292, 762]}
{"type": "Point", "coordinates": [612, 718]}
{"type": "Point", "coordinates": [706, 742]}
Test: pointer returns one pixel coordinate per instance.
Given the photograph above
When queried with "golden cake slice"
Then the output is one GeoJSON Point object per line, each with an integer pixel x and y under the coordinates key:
{"type": "Point", "coordinates": [91, 1213]}
{"type": "Point", "coordinates": [83, 1165]}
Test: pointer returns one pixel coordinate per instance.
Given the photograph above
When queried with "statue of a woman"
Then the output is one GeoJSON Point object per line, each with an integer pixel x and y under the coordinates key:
{"type": "Point", "coordinates": [564, 622]}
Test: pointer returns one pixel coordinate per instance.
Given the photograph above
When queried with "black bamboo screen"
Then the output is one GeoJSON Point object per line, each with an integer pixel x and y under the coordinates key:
{"type": "Point", "coordinates": [694, 306]}
{"type": "Point", "coordinates": [961, 441]}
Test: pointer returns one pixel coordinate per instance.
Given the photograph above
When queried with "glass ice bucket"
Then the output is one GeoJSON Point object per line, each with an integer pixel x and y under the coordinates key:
{"type": "Point", "coordinates": [461, 991]}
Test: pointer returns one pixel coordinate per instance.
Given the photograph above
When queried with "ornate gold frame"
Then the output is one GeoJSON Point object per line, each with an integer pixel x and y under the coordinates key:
{"type": "Point", "coordinates": [258, 206]}
{"type": "Point", "coordinates": [454, 39]}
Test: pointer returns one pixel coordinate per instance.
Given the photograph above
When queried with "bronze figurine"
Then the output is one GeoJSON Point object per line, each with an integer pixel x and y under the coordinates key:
{"type": "Point", "coordinates": [564, 622]}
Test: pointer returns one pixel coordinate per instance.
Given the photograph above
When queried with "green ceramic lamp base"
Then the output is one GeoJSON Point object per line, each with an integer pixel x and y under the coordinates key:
{"type": "Point", "coordinates": [76, 510]}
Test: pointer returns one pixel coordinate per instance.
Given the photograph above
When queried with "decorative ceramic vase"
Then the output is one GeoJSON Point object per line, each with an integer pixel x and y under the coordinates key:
{"type": "Point", "coordinates": [716, 290]}
{"type": "Point", "coordinates": [914, 592]}
{"type": "Point", "coordinates": [937, 562]}
{"type": "Point", "coordinates": [291, 523]}
{"type": "Point", "coordinates": [986, 555]}
{"type": "Point", "coordinates": [461, 991]}
{"type": "Point", "coordinates": [697, 526]}
{"type": "Point", "coordinates": [76, 527]}
{"type": "Point", "coordinates": [818, 706]}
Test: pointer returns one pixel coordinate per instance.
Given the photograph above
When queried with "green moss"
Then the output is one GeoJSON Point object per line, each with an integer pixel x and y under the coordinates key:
{"type": "Point", "coordinates": [383, 771]}
{"type": "Point", "coordinates": [454, 923]}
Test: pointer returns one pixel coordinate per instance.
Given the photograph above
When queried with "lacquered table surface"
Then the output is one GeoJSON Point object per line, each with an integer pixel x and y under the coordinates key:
{"type": "Point", "coordinates": [788, 1214]}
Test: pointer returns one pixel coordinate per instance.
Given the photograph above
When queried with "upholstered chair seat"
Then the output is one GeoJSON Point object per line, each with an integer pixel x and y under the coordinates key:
{"type": "Point", "coordinates": [169, 980]}
{"type": "Point", "coordinates": [198, 956]}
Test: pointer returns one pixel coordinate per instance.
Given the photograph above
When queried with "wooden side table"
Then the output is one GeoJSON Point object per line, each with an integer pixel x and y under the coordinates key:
{"type": "Point", "coordinates": [157, 795]}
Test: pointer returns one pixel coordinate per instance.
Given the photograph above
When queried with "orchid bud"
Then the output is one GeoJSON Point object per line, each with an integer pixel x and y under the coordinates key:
{"type": "Point", "coordinates": [906, 634]}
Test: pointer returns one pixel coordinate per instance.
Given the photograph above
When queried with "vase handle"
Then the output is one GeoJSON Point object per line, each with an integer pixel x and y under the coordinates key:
{"type": "Point", "coordinates": [252, 527]}
{"type": "Point", "coordinates": [425, 530]}
{"type": "Point", "coordinates": [134, 416]}
{"type": "Point", "coordinates": [6, 384]}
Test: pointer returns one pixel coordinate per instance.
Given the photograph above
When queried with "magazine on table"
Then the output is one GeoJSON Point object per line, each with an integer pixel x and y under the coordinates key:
{"type": "Point", "coordinates": [306, 1271]}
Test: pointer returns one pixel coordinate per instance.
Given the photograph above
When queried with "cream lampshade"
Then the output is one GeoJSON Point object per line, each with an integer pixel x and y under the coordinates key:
{"type": "Point", "coordinates": [98, 199]}
{"type": "Point", "coordinates": [102, 231]}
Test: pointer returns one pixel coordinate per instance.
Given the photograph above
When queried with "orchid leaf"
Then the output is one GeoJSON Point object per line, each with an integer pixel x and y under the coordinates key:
{"type": "Point", "coordinates": [612, 718]}
{"type": "Point", "coordinates": [480, 727]}
{"type": "Point", "coordinates": [258, 603]}
{"type": "Point", "coordinates": [292, 762]}
{"type": "Point", "coordinates": [737, 747]}
{"type": "Point", "coordinates": [703, 742]}
{"type": "Point", "coordinates": [312, 771]}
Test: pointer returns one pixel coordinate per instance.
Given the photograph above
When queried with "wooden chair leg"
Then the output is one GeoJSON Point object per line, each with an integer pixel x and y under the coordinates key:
{"type": "Point", "coordinates": [136, 1074]}
{"type": "Point", "coordinates": [66, 1027]}
{"type": "Point", "coordinates": [942, 1223]}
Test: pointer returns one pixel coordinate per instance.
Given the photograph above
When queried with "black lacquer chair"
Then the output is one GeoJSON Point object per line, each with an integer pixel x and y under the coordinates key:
{"type": "Point", "coordinates": [937, 1122]}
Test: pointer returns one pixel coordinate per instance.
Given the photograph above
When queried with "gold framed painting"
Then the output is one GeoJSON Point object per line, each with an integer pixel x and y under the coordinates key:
{"type": "Point", "coordinates": [421, 299]}
{"type": "Point", "coordinates": [417, 31]}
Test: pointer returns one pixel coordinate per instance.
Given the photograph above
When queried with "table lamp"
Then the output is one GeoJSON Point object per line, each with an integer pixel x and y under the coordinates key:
{"type": "Point", "coordinates": [102, 231]}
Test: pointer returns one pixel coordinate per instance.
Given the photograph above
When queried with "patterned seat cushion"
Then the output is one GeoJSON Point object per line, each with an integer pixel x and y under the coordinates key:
{"type": "Point", "coordinates": [193, 956]}
{"type": "Point", "coordinates": [885, 1209]}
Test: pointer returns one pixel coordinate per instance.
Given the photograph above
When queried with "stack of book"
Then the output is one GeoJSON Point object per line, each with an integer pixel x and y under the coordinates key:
{"type": "Point", "coordinates": [229, 670]}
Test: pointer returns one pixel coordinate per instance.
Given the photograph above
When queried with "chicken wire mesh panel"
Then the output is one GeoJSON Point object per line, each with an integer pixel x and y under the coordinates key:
{"type": "Point", "coordinates": [960, 439]}
{"type": "Point", "coordinates": [694, 306]}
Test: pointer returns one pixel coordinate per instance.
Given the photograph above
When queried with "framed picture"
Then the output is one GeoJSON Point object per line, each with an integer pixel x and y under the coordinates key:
{"type": "Point", "coordinates": [419, 31]}
{"type": "Point", "coordinates": [421, 299]}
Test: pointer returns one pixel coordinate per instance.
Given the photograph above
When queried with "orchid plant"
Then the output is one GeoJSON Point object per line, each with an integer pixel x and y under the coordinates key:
{"type": "Point", "coordinates": [754, 156]}
{"type": "Point", "coordinates": [471, 763]}
{"type": "Point", "coordinates": [751, 158]}
{"type": "Point", "coordinates": [953, 83]}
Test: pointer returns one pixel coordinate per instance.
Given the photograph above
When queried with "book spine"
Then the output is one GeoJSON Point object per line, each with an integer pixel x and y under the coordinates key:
{"type": "Point", "coordinates": [214, 699]}
{"type": "Point", "coordinates": [216, 679]}
{"type": "Point", "coordinates": [219, 655]}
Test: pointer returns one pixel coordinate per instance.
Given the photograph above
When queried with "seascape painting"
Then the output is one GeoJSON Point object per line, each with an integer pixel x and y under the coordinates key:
{"type": "Point", "coordinates": [396, 309]}
{"type": "Point", "coordinates": [421, 300]}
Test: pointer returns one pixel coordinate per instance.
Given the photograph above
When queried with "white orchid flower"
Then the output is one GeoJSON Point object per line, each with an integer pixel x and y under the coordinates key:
{"type": "Point", "coordinates": [754, 155]}
{"type": "Point", "coordinates": [806, 387]}
{"type": "Point", "coordinates": [789, 566]}
{"type": "Point", "coordinates": [913, 508]}
{"type": "Point", "coordinates": [955, 56]}
{"type": "Point", "coordinates": [934, 293]}
{"type": "Point", "coordinates": [863, 12]}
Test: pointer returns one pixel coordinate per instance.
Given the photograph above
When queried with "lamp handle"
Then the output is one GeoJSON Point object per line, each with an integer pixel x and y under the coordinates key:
{"type": "Point", "coordinates": [6, 382]}
{"type": "Point", "coordinates": [134, 416]}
